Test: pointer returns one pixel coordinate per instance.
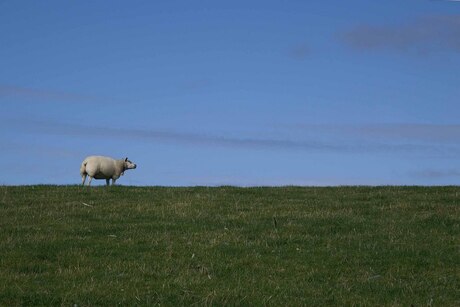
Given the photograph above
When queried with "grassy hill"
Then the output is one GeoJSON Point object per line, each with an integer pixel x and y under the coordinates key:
{"type": "Point", "coordinates": [69, 245]}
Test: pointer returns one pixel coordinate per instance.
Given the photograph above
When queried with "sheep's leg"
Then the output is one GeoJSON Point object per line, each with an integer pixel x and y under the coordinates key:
{"type": "Point", "coordinates": [107, 181]}
{"type": "Point", "coordinates": [113, 181]}
{"type": "Point", "coordinates": [83, 179]}
{"type": "Point", "coordinates": [89, 181]}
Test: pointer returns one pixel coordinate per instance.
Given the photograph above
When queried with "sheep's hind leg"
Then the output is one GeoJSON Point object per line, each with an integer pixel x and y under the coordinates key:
{"type": "Point", "coordinates": [107, 181]}
{"type": "Point", "coordinates": [83, 179]}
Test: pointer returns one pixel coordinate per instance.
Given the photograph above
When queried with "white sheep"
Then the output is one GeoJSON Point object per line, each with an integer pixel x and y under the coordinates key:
{"type": "Point", "coordinates": [99, 167]}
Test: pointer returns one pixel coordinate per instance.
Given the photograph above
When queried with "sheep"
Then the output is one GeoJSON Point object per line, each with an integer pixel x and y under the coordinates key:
{"type": "Point", "coordinates": [99, 167]}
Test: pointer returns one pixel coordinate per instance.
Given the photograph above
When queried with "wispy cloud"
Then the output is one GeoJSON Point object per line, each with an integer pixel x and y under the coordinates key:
{"type": "Point", "coordinates": [436, 174]}
{"type": "Point", "coordinates": [415, 132]}
{"type": "Point", "coordinates": [17, 148]}
{"type": "Point", "coordinates": [196, 84]}
{"type": "Point", "coordinates": [49, 95]}
{"type": "Point", "coordinates": [300, 51]}
{"type": "Point", "coordinates": [423, 34]}
{"type": "Point", "coordinates": [435, 133]}
{"type": "Point", "coordinates": [57, 128]}
{"type": "Point", "coordinates": [312, 145]}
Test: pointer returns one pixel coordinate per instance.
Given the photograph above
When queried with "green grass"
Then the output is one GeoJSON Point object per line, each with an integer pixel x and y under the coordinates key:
{"type": "Point", "coordinates": [67, 245]}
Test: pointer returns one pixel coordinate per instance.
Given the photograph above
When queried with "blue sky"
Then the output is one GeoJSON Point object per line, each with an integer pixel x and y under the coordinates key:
{"type": "Point", "coordinates": [232, 92]}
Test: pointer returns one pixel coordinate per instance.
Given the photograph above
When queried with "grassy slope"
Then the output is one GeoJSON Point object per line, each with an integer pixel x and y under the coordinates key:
{"type": "Point", "coordinates": [240, 246]}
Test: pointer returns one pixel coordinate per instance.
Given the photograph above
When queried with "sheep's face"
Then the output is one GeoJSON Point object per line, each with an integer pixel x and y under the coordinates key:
{"type": "Point", "coordinates": [129, 164]}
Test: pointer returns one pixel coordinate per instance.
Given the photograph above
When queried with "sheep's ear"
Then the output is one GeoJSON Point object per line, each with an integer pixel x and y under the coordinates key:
{"type": "Point", "coordinates": [126, 159]}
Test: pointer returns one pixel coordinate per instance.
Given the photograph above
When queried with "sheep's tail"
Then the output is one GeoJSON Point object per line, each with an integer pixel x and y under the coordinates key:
{"type": "Point", "coordinates": [83, 168]}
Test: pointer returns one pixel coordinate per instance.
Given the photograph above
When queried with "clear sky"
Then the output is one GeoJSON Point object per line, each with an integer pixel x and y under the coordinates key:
{"type": "Point", "coordinates": [232, 92]}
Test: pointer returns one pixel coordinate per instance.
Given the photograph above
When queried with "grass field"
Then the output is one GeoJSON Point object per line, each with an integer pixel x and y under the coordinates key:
{"type": "Point", "coordinates": [69, 245]}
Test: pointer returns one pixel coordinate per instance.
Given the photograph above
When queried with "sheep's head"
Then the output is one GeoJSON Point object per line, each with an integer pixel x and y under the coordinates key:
{"type": "Point", "coordinates": [128, 164]}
